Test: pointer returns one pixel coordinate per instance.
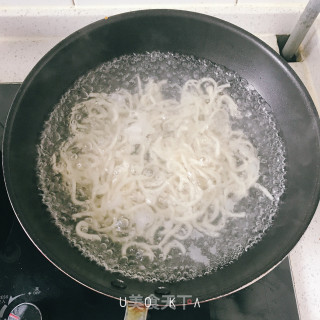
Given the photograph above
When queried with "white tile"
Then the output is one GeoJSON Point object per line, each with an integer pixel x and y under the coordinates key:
{"type": "Point", "coordinates": [151, 3]}
{"type": "Point", "coordinates": [45, 22]}
{"type": "Point", "coordinates": [19, 56]}
{"type": "Point", "coordinates": [31, 3]}
{"type": "Point", "coordinates": [55, 21]}
{"type": "Point", "coordinates": [277, 2]}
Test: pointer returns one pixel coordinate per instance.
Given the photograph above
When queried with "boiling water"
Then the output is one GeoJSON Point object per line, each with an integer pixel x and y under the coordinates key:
{"type": "Point", "coordinates": [204, 254]}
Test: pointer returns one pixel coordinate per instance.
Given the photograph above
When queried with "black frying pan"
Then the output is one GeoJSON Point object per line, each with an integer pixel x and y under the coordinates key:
{"type": "Point", "coordinates": [186, 33]}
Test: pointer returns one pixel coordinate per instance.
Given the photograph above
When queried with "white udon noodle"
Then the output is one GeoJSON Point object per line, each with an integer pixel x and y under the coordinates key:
{"type": "Point", "coordinates": [145, 170]}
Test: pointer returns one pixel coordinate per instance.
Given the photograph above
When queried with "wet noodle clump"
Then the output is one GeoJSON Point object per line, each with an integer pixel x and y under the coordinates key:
{"type": "Point", "coordinates": [148, 164]}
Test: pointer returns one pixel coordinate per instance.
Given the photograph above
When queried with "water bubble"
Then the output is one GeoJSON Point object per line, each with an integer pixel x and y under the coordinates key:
{"type": "Point", "coordinates": [148, 172]}
{"type": "Point", "coordinates": [109, 252]}
{"type": "Point", "coordinates": [122, 223]}
{"type": "Point", "coordinates": [123, 260]}
{"type": "Point", "coordinates": [74, 157]}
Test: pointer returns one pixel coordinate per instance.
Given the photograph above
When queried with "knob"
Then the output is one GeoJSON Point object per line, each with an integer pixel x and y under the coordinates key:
{"type": "Point", "coordinates": [25, 311]}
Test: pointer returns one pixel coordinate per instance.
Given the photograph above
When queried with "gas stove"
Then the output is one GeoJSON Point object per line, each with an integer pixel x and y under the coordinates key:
{"type": "Point", "coordinates": [31, 288]}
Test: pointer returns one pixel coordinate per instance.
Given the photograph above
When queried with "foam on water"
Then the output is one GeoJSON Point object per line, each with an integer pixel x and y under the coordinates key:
{"type": "Point", "coordinates": [204, 254]}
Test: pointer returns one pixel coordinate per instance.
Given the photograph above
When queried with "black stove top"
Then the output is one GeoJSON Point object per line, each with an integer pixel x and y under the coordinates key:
{"type": "Point", "coordinates": [30, 285]}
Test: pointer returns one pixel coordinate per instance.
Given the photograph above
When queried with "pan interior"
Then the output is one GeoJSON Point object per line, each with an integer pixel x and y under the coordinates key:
{"type": "Point", "coordinates": [204, 254]}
